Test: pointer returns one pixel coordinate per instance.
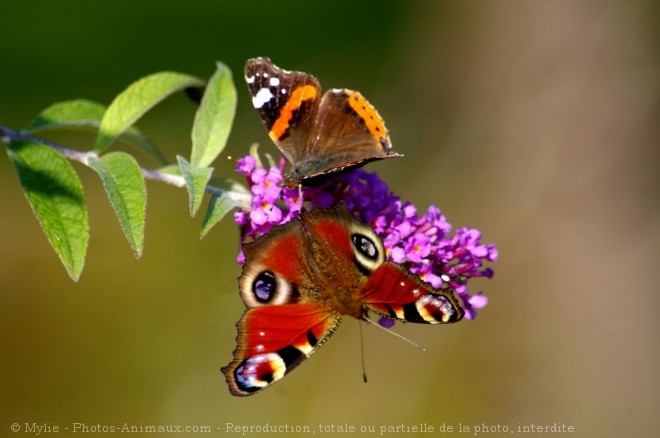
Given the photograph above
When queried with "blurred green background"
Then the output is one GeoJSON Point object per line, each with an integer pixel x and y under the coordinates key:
{"type": "Point", "coordinates": [536, 122]}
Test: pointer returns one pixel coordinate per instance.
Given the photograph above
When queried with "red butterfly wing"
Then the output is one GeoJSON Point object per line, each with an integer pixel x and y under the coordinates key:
{"type": "Point", "coordinates": [273, 340]}
{"type": "Point", "coordinates": [284, 323]}
{"type": "Point", "coordinates": [394, 292]}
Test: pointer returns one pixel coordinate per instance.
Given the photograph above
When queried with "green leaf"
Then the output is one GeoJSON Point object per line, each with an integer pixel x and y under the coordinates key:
{"type": "Point", "coordinates": [71, 113]}
{"type": "Point", "coordinates": [219, 206]}
{"type": "Point", "coordinates": [196, 180]}
{"type": "Point", "coordinates": [214, 118]}
{"type": "Point", "coordinates": [137, 99]}
{"type": "Point", "coordinates": [254, 151]}
{"type": "Point", "coordinates": [55, 194]}
{"type": "Point", "coordinates": [171, 169]}
{"type": "Point", "coordinates": [86, 115]}
{"type": "Point", "coordinates": [230, 185]}
{"type": "Point", "coordinates": [240, 194]}
{"type": "Point", "coordinates": [126, 190]}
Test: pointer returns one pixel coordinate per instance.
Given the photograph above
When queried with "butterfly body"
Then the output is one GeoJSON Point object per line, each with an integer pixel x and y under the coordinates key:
{"type": "Point", "coordinates": [299, 281]}
{"type": "Point", "coordinates": [317, 133]}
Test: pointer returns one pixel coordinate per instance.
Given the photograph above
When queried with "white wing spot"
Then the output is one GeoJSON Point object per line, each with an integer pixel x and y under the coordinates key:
{"type": "Point", "coordinates": [265, 74]}
{"type": "Point", "coordinates": [274, 82]}
{"type": "Point", "coordinates": [262, 96]}
{"type": "Point", "coordinates": [250, 80]}
{"type": "Point", "coordinates": [283, 91]}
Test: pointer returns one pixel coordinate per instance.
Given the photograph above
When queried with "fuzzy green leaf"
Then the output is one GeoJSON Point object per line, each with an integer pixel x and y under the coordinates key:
{"type": "Point", "coordinates": [171, 169]}
{"type": "Point", "coordinates": [196, 180]}
{"type": "Point", "coordinates": [219, 206]}
{"type": "Point", "coordinates": [126, 190]}
{"type": "Point", "coordinates": [87, 115]}
{"type": "Point", "coordinates": [137, 99]}
{"type": "Point", "coordinates": [55, 194]}
{"type": "Point", "coordinates": [214, 118]}
{"type": "Point", "coordinates": [79, 112]}
{"type": "Point", "coordinates": [230, 185]}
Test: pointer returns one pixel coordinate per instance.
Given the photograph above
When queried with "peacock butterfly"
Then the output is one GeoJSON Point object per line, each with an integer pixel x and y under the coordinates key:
{"type": "Point", "coordinates": [317, 135]}
{"type": "Point", "coordinates": [301, 278]}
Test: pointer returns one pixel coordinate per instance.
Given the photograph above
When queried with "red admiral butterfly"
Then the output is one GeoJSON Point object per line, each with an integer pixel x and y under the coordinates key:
{"type": "Point", "coordinates": [317, 135]}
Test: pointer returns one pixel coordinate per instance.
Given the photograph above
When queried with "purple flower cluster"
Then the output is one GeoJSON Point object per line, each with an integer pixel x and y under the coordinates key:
{"type": "Point", "coordinates": [422, 243]}
{"type": "Point", "coordinates": [266, 207]}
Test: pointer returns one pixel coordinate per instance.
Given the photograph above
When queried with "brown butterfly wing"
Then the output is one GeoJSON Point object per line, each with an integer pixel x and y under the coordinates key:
{"type": "Point", "coordinates": [287, 102]}
{"type": "Point", "coordinates": [348, 132]}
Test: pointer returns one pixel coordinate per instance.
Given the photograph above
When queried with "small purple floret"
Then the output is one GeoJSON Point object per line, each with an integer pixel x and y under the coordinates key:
{"type": "Point", "coordinates": [386, 322]}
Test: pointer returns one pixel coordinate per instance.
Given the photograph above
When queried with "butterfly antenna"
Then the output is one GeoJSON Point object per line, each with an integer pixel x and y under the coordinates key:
{"type": "Point", "coordinates": [419, 347]}
{"type": "Point", "coordinates": [364, 368]}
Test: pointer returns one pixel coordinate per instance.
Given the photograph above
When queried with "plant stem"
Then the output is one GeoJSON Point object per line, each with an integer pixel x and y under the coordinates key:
{"type": "Point", "coordinates": [7, 135]}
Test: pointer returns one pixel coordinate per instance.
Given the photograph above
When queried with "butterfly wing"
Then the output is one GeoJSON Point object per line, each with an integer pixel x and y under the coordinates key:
{"type": "Point", "coordinates": [394, 292]}
{"type": "Point", "coordinates": [348, 132]}
{"type": "Point", "coordinates": [287, 102]}
{"type": "Point", "coordinates": [273, 340]}
{"type": "Point", "coordinates": [284, 324]}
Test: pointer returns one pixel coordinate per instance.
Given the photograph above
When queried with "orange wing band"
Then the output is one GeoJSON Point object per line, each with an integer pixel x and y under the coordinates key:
{"type": "Point", "coordinates": [371, 118]}
{"type": "Point", "coordinates": [298, 96]}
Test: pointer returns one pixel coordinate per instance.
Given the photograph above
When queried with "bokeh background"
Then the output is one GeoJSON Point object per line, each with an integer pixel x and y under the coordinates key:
{"type": "Point", "coordinates": [536, 122]}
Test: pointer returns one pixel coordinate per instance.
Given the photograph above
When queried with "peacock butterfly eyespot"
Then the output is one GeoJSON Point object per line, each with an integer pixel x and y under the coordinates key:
{"type": "Point", "coordinates": [259, 371]}
{"type": "Point", "coordinates": [264, 286]}
{"type": "Point", "coordinates": [366, 246]}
